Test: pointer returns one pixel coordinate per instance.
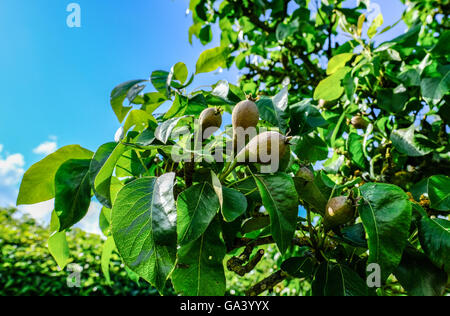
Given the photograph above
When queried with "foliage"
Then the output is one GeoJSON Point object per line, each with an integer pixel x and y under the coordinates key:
{"type": "Point", "coordinates": [26, 267]}
{"type": "Point", "coordinates": [372, 126]}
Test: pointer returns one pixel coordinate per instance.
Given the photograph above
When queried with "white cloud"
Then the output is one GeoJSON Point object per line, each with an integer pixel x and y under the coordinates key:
{"type": "Point", "coordinates": [11, 171]}
{"type": "Point", "coordinates": [41, 212]}
{"type": "Point", "coordinates": [90, 222]}
{"type": "Point", "coordinates": [46, 148]}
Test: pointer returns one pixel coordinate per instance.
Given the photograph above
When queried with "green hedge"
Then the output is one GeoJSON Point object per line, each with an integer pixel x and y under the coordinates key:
{"type": "Point", "coordinates": [27, 268]}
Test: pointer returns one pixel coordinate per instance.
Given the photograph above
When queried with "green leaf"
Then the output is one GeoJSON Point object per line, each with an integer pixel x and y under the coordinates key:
{"type": "Point", "coordinates": [108, 248]}
{"type": "Point", "coordinates": [59, 249]}
{"type": "Point", "coordinates": [338, 62]}
{"type": "Point", "coordinates": [439, 192]}
{"type": "Point", "coordinates": [355, 148]}
{"type": "Point", "coordinates": [299, 267]}
{"type": "Point", "coordinates": [280, 199]}
{"type": "Point", "coordinates": [310, 148]}
{"type": "Point", "coordinates": [355, 235]}
{"type": "Point", "coordinates": [391, 100]}
{"type": "Point", "coordinates": [180, 72]}
{"type": "Point", "coordinates": [305, 117]}
{"type": "Point", "coordinates": [138, 118]}
{"type": "Point", "coordinates": [434, 236]}
{"type": "Point", "coordinates": [418, 276]}
{"type": "Point", "coordinates": [119, 94]}
{"type": "Point", "coordinates": [199, 270]}
{"type": "Point", "coordinates": [212, 59]}
{"type": "Point", "coordinates": [196, 208]}
{"type": "Point", "coordinates": [309, 192]}
{"type": "Point", "coordinates": [234, 204]}
{"type": "Point", "coordinates": [161, 81]}
{"type": "Point", "coordinates": [330, 88]}
{"type": "Point", "coordinates": [102, 183]}
{"type": "Point", "coordinates": [285, 30]}
{"type": "Point", "coordinates": [338, 280]}
{"type": "Point", "coordinates": [73, 192]}
{"type": "Point", "coordinates": [205, 34]}
{"type": "Point", "coordinates": [273, 110]}
{"type": "Point", "coordinates": [442, 47]}
{"type": "Point", "coordinates": [164, 131]}
{"type": "Point", "coordinates": [100, 157]}
{"type": "Point", "coordinates": [255, 223]}
{"type": "Point", "coordinates": [404, 141]}
{"type": "Point", "coordinates": [377, 22]}
{"type": "Point", "coordinates": [434, 89]}
{"type": "Point", "coordinates": [178, 107]}
{"type": "Point", "coordinates": [38, 183]}
{"type": "Point", "coordinates": [104, 221]}
{"type": "Point", "coordinates": [386, 214]}
{"type": "Point", "coordinates": [144, 227]}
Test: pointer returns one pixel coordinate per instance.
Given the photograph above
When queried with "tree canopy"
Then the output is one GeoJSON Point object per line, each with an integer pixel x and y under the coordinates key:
{"type": "Point", "coordinates": [358, 203]}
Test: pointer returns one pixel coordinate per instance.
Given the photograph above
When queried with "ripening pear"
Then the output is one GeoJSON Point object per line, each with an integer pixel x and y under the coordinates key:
{"type": "Point", "coordinates": [306, 174]}
{"type": "Point", "coordinates": [210, 121]}
{"type": "Point", "coordinates": [245, 115]}
{"type": "Point", "coordinates": [339, 211]}
{"type": "Point", "coordinates": [359, 122]}
{"type": "Point", "coordinates": [266, 148]}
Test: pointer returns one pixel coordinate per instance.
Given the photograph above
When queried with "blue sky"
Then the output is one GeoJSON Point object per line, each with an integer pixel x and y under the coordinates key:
{"type": "Point", "coordinates": [56, 80]}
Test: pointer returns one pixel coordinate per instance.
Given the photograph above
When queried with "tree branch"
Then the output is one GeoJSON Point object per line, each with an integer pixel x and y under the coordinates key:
{"type": "Point", "coordinates": [267, 284]}
{"type": "Point", "coordinates": [243, 242]}
{"type": "Point", "coordinates": [237, 264]}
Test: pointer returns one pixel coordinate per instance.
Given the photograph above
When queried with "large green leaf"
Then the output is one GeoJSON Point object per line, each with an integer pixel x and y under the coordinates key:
{"type": "Point", "coordinates": [338, 62]}
{"type": "Point", "coordinates": [281, 201]}
{"type": "Point", "coordinates": [144, 227]}
{"type": "Point", "coordinates": [355, 148]}
{"type": "Point", "coordinates": [232, 202]}
{"type": "Point", "coordinates": [102, 182]}
{"type": "Point", "coordinates": [139, 119]}
{"type": "Point", "coordinates": [273, 110]}
{"type": "Point", "coordinates": [119, 94]}
{"type": "Point", "coordinates": [59, 249]}
{"type": "Point", "coordinates": [439, 192]}
{"type": "Point", "coordinates": [434, 89]}
{"type": "Point", "coordinates": [161, 81]}
{"type": "Point", "coordinates": [38, 183]}
{"type": "Point", "coordinates": [299, 267]}
{"type": "Point", "coordinates": [404, 141]}
{"type": "Point", "coordinates": [434, 236]}
{"type": "Point", "coordinates": [310, 147]}
{"type": "Point", "coordinates": [331, 88]}
{"type": "Point", "coordinates": [199, 270]}
{"type": "Point", "coordinates": [305, 117]}
{"type": "Point", "coordinates": [196, 208]}
{"type": "Point", "coordinates": [73, 192]}
{"type": "Point", "coordinates": [180, 72]}
{"type": "Point", "coordinates": [338, 280]}
{"type": "Point", "coordinates": [418, 276]}
{"type": "Point", "coordinates": [386, 214]}
{"type": "Point", "coordinates": [212, 59]}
